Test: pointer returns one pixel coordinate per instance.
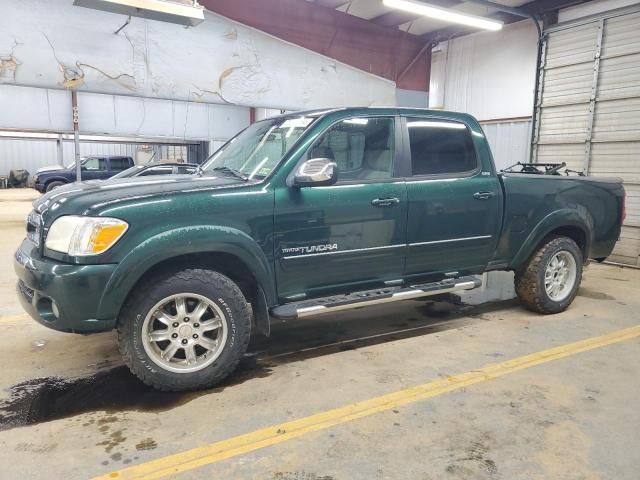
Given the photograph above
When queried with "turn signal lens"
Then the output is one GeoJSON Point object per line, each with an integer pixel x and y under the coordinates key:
{"type": "Point", "coordinates": [106, 235]}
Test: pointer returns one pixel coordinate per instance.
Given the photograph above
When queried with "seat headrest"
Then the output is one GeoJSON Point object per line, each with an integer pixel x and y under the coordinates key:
{"type": "Point", "coordinates": [379, 160]}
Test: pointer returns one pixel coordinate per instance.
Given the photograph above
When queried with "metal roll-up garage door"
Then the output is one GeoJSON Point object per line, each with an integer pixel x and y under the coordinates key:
{"type": "Point", "coordinates": [588, 107]}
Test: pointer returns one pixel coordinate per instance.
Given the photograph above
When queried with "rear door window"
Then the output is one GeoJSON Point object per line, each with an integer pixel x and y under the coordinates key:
{"type": "Point", "coordinates": [440, 147]}
{"type": "Point", "coordinates": [119, 164]}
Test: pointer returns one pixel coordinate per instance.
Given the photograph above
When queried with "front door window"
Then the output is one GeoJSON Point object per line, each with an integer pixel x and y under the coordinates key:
{"type": "Point", "coordinates": [363, 148]}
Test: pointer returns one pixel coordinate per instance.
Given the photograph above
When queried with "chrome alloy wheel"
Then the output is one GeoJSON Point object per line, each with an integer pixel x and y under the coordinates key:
{"type": "Point", "coordinates": [560, 276]}
{"type": "Point", "coordinates": [184, 333]}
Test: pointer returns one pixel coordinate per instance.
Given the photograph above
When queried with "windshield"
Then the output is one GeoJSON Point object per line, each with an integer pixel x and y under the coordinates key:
{"type": "Point", "coordinates": [83, 160]}
{"type": "Point", "coordinates": [256, 151]}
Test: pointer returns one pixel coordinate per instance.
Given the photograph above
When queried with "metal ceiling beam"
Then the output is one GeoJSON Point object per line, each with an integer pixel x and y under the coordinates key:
{"type": "Point", "coordinates": [383, 51]}
{"type": "Point", "coordinates": [393, 18]}
{"type": "Point", "coordinates": [539, 7]}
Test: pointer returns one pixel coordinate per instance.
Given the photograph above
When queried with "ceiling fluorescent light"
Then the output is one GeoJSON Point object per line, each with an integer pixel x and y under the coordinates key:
{"type": "Point", "coordinates": [444, 14]}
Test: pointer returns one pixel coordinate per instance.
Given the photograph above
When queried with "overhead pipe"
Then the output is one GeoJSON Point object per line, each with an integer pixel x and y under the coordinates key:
{"type": "Point", "coordinates": [521, 13]}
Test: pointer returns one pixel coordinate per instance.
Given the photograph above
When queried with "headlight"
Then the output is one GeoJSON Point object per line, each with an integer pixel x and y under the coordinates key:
{"type": "Point", "coordinates": [35, 179]}
{"type": "Point", "coordinates": [82, 236]}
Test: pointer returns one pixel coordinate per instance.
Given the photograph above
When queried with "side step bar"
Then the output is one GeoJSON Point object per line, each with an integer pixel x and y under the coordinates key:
{"type": "Point", "coordinates": [337, 303]}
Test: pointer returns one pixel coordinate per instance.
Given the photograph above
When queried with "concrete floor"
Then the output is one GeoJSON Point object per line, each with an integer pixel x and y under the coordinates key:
{"type": "Point", "coordinates": [68, 409]}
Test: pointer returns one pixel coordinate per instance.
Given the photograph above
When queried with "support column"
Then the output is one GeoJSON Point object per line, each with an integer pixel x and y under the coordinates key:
{"type": "Point", "coordinates": [60, 150]}
{"type": "Point", "coordinates": [76, 133]}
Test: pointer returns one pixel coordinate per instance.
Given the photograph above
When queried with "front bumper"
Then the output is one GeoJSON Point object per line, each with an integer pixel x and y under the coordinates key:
{"type": "Point", "coordinates": [39, 187]}
{"type": "Point", "coordinates": [62, 296]}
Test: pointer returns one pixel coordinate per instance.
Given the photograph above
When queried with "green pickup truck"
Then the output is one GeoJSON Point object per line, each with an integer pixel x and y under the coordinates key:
{"type": "Point", "coordinates": [303, 214]}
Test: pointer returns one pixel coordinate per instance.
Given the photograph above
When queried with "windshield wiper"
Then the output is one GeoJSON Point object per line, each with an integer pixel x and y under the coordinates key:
{"type": "Point", "coordinates": [232, 171]}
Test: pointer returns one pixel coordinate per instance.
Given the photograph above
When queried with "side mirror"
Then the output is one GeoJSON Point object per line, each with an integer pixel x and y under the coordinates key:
{"type": "Point", "coordinates": [317, 172]}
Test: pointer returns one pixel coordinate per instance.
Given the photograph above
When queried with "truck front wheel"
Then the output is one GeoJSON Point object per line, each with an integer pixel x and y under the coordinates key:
{"type": "Point", "coordinates": [54, 184]}
{"type": "Point", "coordinates": [549, 281]}
{"type": "Point", "coordinates": [184, 330]}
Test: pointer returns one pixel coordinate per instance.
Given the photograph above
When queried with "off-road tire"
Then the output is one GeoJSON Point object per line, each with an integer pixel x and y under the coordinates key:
{"type": "Point", "coordinates": [54, 184]}
{"type": "Point", "coordinates": [529, 279]}
{"type": "Point", "coordinates": [213, 285]}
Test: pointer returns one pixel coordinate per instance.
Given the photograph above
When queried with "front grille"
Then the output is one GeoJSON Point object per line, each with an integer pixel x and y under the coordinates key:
{"type": "Point", "coordinates": [34, 223]}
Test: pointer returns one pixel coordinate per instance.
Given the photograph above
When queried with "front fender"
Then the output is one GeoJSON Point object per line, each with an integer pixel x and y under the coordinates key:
{"type": "Point", "coordinates": [183, 241]}
{"type": "Point", "coordinates": [46, 180]}
{"type": "Point", "coordinates": [577, 218]}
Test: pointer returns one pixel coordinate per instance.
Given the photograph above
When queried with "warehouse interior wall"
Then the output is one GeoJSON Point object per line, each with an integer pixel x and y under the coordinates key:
{"type": "Point", "coordinates": [490, 75]}
{"type": "Point", "coordinates": [412, 98]}
{"type": "Point", "coordinates": [48, 109]}
{"type": "Point", "coordinates": [53, 44]}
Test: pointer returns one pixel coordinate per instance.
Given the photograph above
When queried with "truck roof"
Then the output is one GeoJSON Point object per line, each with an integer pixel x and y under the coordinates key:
{"type": "Point", "coordinates": [345, 111]}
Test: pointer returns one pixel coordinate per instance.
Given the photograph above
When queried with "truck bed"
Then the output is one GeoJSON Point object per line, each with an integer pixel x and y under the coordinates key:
{"type": "Point", "coordinates": [532, 202]}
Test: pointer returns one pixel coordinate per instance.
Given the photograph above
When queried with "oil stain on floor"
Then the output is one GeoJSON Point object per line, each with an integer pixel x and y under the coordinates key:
{"type": "Point", "coordinates": [45, 399]}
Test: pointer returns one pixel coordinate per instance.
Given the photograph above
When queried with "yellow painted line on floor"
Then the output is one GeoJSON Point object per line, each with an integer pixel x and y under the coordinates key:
{"type": "Point", "coordinates": [232, 447]}
{"type": "Point", "coordinates": [14, 318]}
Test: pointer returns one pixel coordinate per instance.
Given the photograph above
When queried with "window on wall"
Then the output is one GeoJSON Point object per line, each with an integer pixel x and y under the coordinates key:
{"type": "Point", "coordinates": [440, 147]}
{"type": "Point", "coordinates": [363, 148]}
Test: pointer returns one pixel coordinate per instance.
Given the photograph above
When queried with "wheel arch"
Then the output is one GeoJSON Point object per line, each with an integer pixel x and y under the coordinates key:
{"type": "Point", "coordinates": [227, 264]}
{"type": "Point", "coordinates": [55, 179]}
{"type": "Point", "coordinates": [560, 223]}
{"type": "Point", "coordinates": [227, 251]}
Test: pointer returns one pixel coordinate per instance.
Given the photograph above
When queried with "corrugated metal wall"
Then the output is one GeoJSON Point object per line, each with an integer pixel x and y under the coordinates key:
{"type": "Point", "coordinates": [509, 141]}
{"type": "Point", "coordinates": [490, 75]}
{"type": "Point", "coordinates": [28, 155]}
{"type": "Point", "coordinates": [589, 108]}
{"type": "Point", "coordinates": [33, 154]}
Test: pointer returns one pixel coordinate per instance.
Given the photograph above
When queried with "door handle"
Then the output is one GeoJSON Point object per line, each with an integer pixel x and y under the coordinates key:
{"type": "Point", "coordinates": [385, 202]}
{"type": "Point", "coordinates": [483, 195]}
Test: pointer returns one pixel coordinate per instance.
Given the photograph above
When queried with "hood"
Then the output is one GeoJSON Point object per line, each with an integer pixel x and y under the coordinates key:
{"type": "Point", "coordinates": [49, 168]}
{"type": "Point", "coordinates": [86, 198]}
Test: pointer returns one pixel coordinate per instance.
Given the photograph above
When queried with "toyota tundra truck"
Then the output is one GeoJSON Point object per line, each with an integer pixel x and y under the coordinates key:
{"type": "Point", "coordinates": [304, 214]}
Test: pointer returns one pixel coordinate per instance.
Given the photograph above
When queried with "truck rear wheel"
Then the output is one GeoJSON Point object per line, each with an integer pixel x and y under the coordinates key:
{"type": "Point", "coordinates": [550, 279]}
{"type": "Point", "coordinates": [185, 330]}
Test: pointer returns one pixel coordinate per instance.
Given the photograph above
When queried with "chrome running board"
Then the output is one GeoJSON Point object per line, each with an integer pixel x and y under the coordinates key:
{"type": "Point", "coordinates": [372, 297]}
